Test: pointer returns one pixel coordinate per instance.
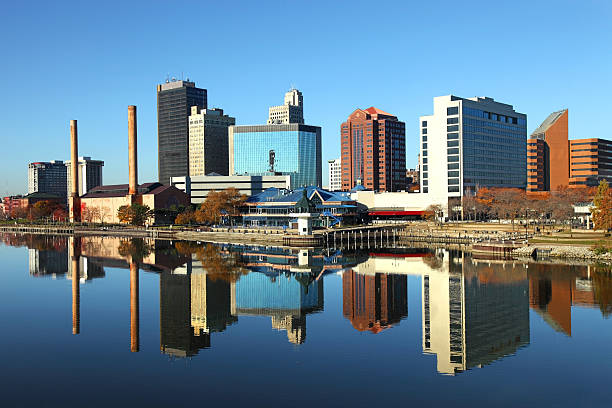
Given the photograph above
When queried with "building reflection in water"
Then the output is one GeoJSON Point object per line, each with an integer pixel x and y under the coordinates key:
{"type": "Point", "coordinates": [285, 298]}
{"type": "Point", "coordinates": [554, 290]}
{"type": "Point", "coordinates": [374, 302]}
{"type": "Point", "coordinates": [473, 311]}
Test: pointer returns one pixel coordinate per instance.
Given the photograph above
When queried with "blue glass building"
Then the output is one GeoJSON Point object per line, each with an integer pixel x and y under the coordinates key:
{"type": "Point", "coordinates": [292, 149]}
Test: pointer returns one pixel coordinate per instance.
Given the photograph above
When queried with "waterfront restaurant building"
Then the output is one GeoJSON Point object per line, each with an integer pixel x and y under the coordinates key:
{"type": "Point", "coordinates": [274, 207]}
{"type": "Point", "coordinates": [469, 143]}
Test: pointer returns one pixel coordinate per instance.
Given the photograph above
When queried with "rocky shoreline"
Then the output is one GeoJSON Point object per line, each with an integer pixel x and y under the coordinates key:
{"type": "Point", "coordinates": [559, 251]}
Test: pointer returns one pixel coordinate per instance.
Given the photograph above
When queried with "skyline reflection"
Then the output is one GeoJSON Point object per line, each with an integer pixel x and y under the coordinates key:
{"type": "Point", "coordinates": [473, 311]}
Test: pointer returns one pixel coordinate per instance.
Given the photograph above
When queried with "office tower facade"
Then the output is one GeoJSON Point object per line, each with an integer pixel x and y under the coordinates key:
{"type": "Point", "coordinates": [373, 151]}
{"type": "Point", "coordinates": [174, 102]}
{"type": "Point", "coordinates": [470, 143]}
{"type": "Point", "coordinates": [208, 141]}
{"type": "Point", "coordinates": [549, 144]}
{"type": "Point", "coordinates": [335, 174]}
{"type": "Point", "coordinates": [90, 174]}
{"type": "Point", "coordinates": [291, 112]}
{"type": "Point", "coordinates": [291, 149]}
{"type": "Point", "coordinates": [590, 162]}
{"type": "Point", "coordinates": [48, 177]}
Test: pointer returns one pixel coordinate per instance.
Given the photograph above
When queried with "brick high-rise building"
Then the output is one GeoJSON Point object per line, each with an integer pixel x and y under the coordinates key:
{"type": "Point", "coordinates": [590, 162]}
{"type": "Point", "coordinates": [549, 144]}
{"type": "Point", "coordinates": [373, 151]}
{"type": "Point", "coordinates": [553, 160]}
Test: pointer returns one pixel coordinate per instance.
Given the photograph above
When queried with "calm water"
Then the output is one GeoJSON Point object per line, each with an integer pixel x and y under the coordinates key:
{"type": "Point", "coordinates": [98, 322]}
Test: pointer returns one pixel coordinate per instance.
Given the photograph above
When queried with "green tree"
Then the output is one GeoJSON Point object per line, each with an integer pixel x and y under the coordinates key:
{"type": "Point", "coordinates": [602, 207]}
{"type": "Point", "coordinates": [135, 214]}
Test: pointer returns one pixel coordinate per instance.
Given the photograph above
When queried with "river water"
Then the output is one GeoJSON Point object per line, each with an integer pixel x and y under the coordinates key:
{"type": "Point", "coordinates": [106, 321]}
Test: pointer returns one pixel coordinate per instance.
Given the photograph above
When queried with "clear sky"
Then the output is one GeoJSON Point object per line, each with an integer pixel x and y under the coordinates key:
{"type": "Point", "coordinates": [90, 60]}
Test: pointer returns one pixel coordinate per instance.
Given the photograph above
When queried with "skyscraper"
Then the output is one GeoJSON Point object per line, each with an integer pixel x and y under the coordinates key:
{"type": "Point", "coordinates": [48, 177]}
{"type": "Point", "coordinates": [291, 149]}
{"type": "Point", "coordinates": [469, 143]}
{"type": "Point", "coordinates": [208, 141]}
{"type": "Point", "coordinates": [335, 174]}
{"type": "Point", "coordinates": [549, 144]}
{"type": "Point", "coordinates": [373, 151]}
{"type": "Point", "coordinates": [291, 112]}
{"type": "Point", "coordinates": [90, 174]}
{"type": "Point", "coordinates": [174, 102]}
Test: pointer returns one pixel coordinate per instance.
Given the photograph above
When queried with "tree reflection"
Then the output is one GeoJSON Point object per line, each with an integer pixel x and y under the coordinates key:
{"type": "Point", "coordinates": [226, 266]}
{"type": "Point", "coordinates": [602, 288]}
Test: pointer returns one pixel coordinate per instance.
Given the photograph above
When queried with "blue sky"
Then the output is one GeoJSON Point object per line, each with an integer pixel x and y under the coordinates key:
{"type": "Point", "coordinates": [90, 60]}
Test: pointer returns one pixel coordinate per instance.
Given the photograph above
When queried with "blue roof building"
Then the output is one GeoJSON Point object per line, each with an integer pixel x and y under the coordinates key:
{"type": "Point", "coordinates": [273, 207]}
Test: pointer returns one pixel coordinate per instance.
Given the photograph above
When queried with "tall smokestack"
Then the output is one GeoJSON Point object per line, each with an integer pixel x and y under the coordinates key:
{"type": "Point", "coordinates": [74, 205]}
{"type": "Point", "coordinates": [132, 150]}
{"type": "Point", "coordinates": [74, 159]}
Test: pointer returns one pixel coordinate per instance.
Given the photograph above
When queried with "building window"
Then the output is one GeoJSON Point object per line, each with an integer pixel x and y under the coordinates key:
{"type": "Point", "coordinates": [452, 143]}
{"type": "Point", "coordinates": [453, 159]}
{"type": "Point", "coordinates": [453, 189]}
{"type": "Point", "coordinates": [425, 175]}
{"type": "Point", "coordinates": [424, 182]}
{"type": "Point", "coordinates": [425, 167]}
{"type": "Point", "coordinates": [424, 152]}
{"type": "Point", "coordinates": [424, 138]}
{"type": "Point", "coordinates": [425, 131]}
{"type": "Point", "coordinates": [451, 121]}
{"type": "Point", "coordinates": [452, 110]}
{"type": "Point", "coordinates": [453, 151]}
{"type": "Point", "coordinates": [453, 174]}
{"type": "Point", "coordinates": [425, 189]}
{"type": "Point", "coordinates": [424, 145]}
{"type": "Point", "coordinates": [453, 128]}
{"type": "Point", "coordinates": [424, 123]}
{"type": "Point", "coordinates": [451, 136]}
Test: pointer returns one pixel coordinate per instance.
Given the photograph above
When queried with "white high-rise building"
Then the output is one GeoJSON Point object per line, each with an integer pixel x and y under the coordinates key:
{"type": "Point", "coordinates": [291, 112]}
{"type": "Point", "coordinates": [208, 141]}
{"type": "Point", "coordinates": [335, 174]}
{"type": "Point", "coordinates": [470, 143]}
{"type": "Point", "coordinates": [90, 174]}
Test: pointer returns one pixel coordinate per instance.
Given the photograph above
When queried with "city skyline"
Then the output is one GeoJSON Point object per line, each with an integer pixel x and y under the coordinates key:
{"type": "Point", "coordinates": [107, 72]}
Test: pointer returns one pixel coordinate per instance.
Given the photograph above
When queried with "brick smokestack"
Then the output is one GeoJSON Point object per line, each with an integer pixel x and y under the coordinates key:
{"type": "Point", "coordinates": [74, 205]}
{"type": "Point", "coordinates": [132, 150]}
{"type": "Point", "coordinates": [74, 159]}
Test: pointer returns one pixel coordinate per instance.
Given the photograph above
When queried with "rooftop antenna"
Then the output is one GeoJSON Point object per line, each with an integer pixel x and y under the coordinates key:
{"type": "Point", "coordinates": [167, 77]}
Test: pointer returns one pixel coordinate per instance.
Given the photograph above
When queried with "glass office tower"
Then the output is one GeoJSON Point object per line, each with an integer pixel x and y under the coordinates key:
{"type": "Point", "coordinates": [289, 149]}
{"type": "Point", "coordinates": [174, 102]}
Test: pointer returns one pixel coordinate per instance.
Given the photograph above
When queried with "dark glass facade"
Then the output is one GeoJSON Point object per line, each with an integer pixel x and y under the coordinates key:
{"type": "Point", "coordinates": [174, 102]}
{"type": "Point", "coordinates": [494, 149]}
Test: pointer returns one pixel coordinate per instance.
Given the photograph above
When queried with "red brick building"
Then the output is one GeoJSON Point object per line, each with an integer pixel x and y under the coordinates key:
{"type": "Point", "coordinates": [373, 151]}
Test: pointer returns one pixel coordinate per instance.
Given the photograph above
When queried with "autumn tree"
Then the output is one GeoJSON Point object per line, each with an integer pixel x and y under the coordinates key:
{"type": "Point", "coordinates": [218, 204]}
{"type": "Point", "coordinates": [186, 217]}
{"type": "Point", "coordinates": [602, 207]}
{"type": "Point", "coordinates": [135, 214]}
